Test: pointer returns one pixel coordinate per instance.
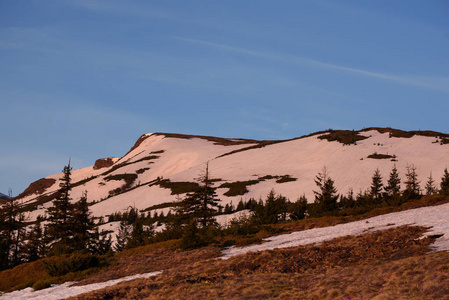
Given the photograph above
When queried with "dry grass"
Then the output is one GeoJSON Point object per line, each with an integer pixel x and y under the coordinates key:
{"type": "Point", "coordinates": [392, 264]}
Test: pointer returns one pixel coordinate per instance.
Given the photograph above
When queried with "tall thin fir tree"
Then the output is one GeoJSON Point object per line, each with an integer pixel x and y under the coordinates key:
{"type": "Point", "coordinates": [60, 223]}
{"type": "Point", "coordinates": [430, 186]}
{"type": "Point", "coordinates": [412, 188]}
{"type": "Point", "coordinates": [12, 233]}
{"type": "Point", "coordinates": [82, 224]}
{"type": "Point", "coordinates": [393, 187]}
{"type": "Point", "coordinates": [326, 198]}
{"type": "Point", "coordinates": [445, 183]}
{"type": "Point", "coordinates": [203, 203]}
{"type": "Point", "coordinates": [376, 186]}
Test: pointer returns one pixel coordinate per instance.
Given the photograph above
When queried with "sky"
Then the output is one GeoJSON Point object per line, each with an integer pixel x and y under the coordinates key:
{"type": "Point", "coordinates": [83, 79]}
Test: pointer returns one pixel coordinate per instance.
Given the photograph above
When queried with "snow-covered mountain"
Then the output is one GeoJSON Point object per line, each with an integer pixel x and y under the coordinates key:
{"type": "Point", "coordinates": [160, 168]}
{"type": "Point", "coordinates": [3, 198]}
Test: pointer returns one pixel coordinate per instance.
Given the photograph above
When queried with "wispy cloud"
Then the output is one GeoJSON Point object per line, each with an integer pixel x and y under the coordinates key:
{"type": "Point", "coordinates": [436, 83]}
{"type": "Point", "coordinates": [129, 8]}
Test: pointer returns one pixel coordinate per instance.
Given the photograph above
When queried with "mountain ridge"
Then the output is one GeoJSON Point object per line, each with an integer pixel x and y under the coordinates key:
{"type": "Point", "coordinates": [350, 156]}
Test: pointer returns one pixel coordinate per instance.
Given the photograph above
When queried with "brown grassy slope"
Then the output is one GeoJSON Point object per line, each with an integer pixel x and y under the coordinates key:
{"type": "Point", "coordinates": [392, 264]}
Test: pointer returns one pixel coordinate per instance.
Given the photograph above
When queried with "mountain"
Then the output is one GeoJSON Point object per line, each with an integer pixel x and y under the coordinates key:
{"type": "Point", "coordinates": [3, 198]}
{"type": "Point", "coordinates": [161, 167]}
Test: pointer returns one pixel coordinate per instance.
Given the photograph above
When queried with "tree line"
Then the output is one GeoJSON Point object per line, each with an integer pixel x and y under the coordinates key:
{"type": "Point", "coordinates": [69, 227]}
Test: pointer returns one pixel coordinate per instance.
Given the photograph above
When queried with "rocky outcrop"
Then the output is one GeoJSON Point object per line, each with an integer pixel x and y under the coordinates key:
{"type": "Point", "coordinates": [103, 163]}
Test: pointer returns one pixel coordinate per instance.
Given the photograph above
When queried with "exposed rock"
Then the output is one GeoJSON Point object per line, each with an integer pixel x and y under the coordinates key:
{"type": "Point", "coordinates": [103, 163]}
{"type": "Point", "coordinates": [38, 187]}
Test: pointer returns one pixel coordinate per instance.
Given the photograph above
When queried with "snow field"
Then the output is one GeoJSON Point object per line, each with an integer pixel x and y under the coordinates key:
{"type": "Point", "coordinates": [66, 290]}
{"type": "Point", "coordinates": [435, 217]}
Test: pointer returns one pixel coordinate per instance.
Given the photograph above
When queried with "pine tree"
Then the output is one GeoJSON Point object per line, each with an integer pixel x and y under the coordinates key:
{"type": "Point", "coordinates": [326, 198]}
{"type": "Point", "coordinates": [202, 204]}
{"type": "Point", "coordinates": [139, 235]}
{"type": "Point", "coordinates": [376, 186]}
{"type": "Point", "coordinates": [35, 248]}
{"type": "Point", "coordinates": [348, 202]}
{"type": "Point", "coordinates": [122, 236]}
{"type": "Point", "coordinates": [299, 208]}
{"type": "Point", "coordinates": [412, 188]}
{"type": "Point", "coordinates": [12, 233]}
{"type": "Point", "coordinates": [82, 224]}
{"type": "Point", "coordinates": [191, 238]}
{"type": "Point", "coordinates": [445, 183]}
{"type": "Point", "coordinates": [393, 187]}
{"type": "Point", "coordinates": [60, 216]}
{"type": "Point", "coordinates": [100, 243]}
{"type": "Point", "coordinates": [430, 186]}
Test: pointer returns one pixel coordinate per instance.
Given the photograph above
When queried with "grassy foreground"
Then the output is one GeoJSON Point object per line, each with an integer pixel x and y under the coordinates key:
{"type": "Point", "coordinates": [390, 264]}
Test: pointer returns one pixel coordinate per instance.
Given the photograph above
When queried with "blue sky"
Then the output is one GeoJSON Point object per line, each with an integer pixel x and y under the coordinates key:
{"type": "Point", "coordinates": [84, 79]}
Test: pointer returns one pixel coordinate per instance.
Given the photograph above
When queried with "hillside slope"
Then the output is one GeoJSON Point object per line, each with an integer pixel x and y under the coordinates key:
{"type": "Point", "coordinates": [160, 167]}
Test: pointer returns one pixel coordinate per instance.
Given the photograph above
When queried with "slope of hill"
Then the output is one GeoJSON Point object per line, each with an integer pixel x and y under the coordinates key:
{"type": "Point", "coordinates": [161, 167]}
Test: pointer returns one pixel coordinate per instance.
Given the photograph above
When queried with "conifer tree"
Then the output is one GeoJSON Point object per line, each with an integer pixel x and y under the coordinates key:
{"type": "Point", "coordinates": [201, 204]}
{"type": "Point", "coordinates": [60, 216]}
{"type": "Point", "coordinates": [139, 236]}
{"type": "Point", "coordinates": [100, 243]}
{"type": "Point", "coordinates": [376, 186]}
{"type": "Point", "coordinates": [326, 198]}
{"type": "Point", "coordinates": [299, 209]}
{"type": "Point", "coordinates": [192, 238]}
{"type": "Point", "coordinates": [35, 248]}
{"type": "Point", "coordinates": [430, 186]}
{"type": "Point", "coordinates": [348, 201]}
{"type": "Point", "coordinates": [412, 188]}
{"type": "Point", "coordinates": [82, 224]}
{"type": "Point", "coordinates": [445, 183]}
{"type": "Point", "coordinates": [122, 237]}
{"type": "Point", "coordinates": [393, 187]}
{"type": "Point", "coordinates": [12, 233]}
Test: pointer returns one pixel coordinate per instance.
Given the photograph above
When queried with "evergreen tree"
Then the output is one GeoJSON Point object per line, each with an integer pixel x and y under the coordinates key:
{"type": "Point", "coordinates": [100, 243]}
{"type": "Point", "coordinates": [60, 216]}
{"type": "Point", "coordinates": [12, 233]}
{"type": "Point", "coordinates": [191, 238]}
{"type": "Point", "coordinates": [445, 183]}
{"type": "Point", "coordinates": [273, 211]}
{"type": "Point", "coordinates": [376, 186]}
{"type": "Point", "coordinates": [326, 198]}
{"type": "Point", "coordinates": [202, 204]}
{"type": "Point", "coordinates": [82, 224]}
{"type": "Point", "coordinates": [139, 236]}
{"type": "Point", "coordinates": [348, 202]}
{"type": "Point", "coordinates": [412, 188]}
{"type": "Point", "coordinates": [299, 208]}
{"type": "Point", "coordinates": [430, 186]}
{"type": "Point", "coordinates": [393, 187]}
{"type": "Point", "coordinates": [35, 248]}
{"type": "Point", "coordinates": [122, 236]}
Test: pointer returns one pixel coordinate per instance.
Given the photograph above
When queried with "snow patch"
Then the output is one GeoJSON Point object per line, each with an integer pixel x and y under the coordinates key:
{"type": "Point", "coordinates": [434, 217]}
{"type": "Point", "coordinates": [65, 290]}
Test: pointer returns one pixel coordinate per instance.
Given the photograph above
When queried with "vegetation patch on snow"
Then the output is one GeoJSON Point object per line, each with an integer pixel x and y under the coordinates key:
{"type": "Point", "coordinates": [160, 206]}
{"type": "Point", "coordinates": [128, 178]}
{"type": "Point", "coordinates": [346, 137]}
{"type": "Point", "coordinates": [397, 133]}
{"type": "Point", "coordinates": [178, 187]}
{"type": "Point", "coordinates": [238, 188]}
{"type": "Point", "coordinates": [216, 140]}
{"type": "Point", "coordinates": [141, 171]}
{"type": "Point", "coordinates": [376, 155]}
{"type": "Point", "coordinates": [286, 178]}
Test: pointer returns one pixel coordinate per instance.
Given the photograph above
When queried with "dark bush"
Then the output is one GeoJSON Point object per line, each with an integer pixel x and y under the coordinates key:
{"type": "Point", "coordinates": [61, 265]}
